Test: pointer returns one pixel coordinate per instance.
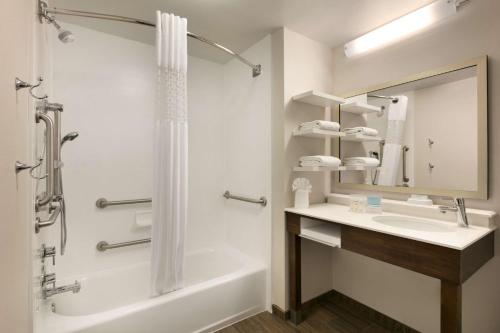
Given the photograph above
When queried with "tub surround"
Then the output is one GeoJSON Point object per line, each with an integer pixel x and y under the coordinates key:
{"type": "Point", "coordinates": [450, 253]}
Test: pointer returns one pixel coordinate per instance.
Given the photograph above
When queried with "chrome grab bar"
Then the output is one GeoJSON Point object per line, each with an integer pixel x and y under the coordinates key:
{"type": "Point", "coordinates": [103, 245]}
{"type": "Point", "coordinates": [103, 202]}
{"type": "Point", "coordinates": [405, 177]}
{"type": "Point", "coordinates": [261, 201]}
{"type": "Point", "coordinates": [49, 158]}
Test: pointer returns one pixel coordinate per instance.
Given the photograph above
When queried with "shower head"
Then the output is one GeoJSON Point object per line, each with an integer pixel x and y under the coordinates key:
{"type": "Point", "coordinates": [64, 36]}
{"type": "Point", "coordinates": [69, 137]}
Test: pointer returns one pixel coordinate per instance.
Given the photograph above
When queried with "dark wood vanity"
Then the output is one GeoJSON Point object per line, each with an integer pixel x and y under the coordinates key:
{"type": "Point", "coordinates": [453, 267]}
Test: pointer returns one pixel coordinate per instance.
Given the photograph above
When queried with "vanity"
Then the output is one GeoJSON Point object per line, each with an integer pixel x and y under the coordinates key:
{"type": "Point", "coordinates": [442, 250]}
{"type": "Point", "coordinates": [429, 135]}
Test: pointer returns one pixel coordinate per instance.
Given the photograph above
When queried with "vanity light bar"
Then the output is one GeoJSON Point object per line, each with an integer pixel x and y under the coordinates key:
{"type": "Point", "coordinates": [402, 27]}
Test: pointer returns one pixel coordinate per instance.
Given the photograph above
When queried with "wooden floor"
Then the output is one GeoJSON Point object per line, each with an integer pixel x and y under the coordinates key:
{"type": "Point", "coordinates": [325, 316]}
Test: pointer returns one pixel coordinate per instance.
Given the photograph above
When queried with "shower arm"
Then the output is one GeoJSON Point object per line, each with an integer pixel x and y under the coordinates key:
{"type": "Point", "coordinates": [44, 11]}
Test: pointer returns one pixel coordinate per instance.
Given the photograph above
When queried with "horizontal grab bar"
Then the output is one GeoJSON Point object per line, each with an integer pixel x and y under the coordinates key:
{"type": "Point", "coordinates": [103, 245]}
{"type": "Point", "coordinates": [262, 200]}
{"type": "Point", "coordinates": [103, 202]}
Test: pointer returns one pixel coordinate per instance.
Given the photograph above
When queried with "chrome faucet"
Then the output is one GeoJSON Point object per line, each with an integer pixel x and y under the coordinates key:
{"type": "Point", "coordinates": [50, 279]}
{"type": "Point", "coordinates": [458, 207]}
{"type": "Point", "coordinates": [74, 288]}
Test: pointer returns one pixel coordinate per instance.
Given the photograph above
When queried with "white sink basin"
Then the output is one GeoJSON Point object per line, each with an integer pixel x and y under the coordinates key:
{"type": "Point", "coordinates": [412, 223]}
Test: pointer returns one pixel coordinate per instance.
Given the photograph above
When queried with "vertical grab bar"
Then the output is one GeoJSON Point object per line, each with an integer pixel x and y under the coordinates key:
{"type": "Point", "coordinates": [56, 153]}
{"type": "Point", "coordinates": [49, 159]}
{"type": "Point", "coordinates": [405, 176]}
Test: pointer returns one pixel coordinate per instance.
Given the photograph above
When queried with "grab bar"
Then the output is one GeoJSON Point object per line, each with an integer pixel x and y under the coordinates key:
{"type": "Point", "coordinates": [405, 177]}
{"type": "Point", "coordinates": [103, 202]}
{"type": "Point", "coordinates": [262, 200]}
{"type": "Point", "coordinates": [49, 158]}
{"type": "Point", "coordinates": [103, 245]}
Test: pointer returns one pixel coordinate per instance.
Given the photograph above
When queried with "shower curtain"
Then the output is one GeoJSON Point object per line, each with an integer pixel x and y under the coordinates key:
{"type": "Point", "coordinates": [170, 170]}
{"type": "Point", "coordinates": [396, 119]}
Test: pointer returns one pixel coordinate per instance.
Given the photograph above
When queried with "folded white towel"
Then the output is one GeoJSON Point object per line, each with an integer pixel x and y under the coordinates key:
{"type": "Point", "coordinates": [362, 130]}
{"type": "Point", "coordinates": [321, 124]}
{"type": "Point", "coordinates": [320, 160]}
{"type": "Point", "coordinates": [364, 161]}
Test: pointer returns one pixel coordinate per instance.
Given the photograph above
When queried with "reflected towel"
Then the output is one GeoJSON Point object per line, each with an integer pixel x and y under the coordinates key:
{"type": "Point", "coordinates": [320, 160]}
{"type": "Point", "coordinates": [362, 130]}
{"type": "Point", "coordinates": [321, 124]}
{"type": "Point", "coordinates": [364, 161]}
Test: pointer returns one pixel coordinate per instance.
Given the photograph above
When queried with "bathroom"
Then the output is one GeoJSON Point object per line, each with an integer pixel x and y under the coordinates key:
{"type": "Point", "coordinates": [287, 230]}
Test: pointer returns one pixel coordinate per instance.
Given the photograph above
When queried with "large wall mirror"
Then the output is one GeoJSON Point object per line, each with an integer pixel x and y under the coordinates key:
{"type": "Point", "coordinates": [428, 133]}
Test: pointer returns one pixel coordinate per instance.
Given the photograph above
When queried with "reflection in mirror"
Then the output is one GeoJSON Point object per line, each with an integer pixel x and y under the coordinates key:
{"type": "Point", "coordinates": [425, 135]}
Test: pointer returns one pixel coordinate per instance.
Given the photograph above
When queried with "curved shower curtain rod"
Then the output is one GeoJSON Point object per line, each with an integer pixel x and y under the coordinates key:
{"type": "Point", "coordinates": [44, 11]}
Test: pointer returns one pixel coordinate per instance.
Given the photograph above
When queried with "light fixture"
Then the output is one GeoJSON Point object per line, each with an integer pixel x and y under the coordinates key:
{"type": "Point", "coordinates": [402, 27]}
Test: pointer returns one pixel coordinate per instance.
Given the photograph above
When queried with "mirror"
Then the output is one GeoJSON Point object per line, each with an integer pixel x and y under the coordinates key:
{"type": "Point", "coordinates": [427, 132]}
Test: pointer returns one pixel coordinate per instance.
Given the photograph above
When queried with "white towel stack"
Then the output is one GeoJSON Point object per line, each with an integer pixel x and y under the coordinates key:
{"type": "Point", "coordinates": [321, 124]}
{"type": "Point", "coordinates": [361, 130]}
{"type": "Point", "coordinates": [361, 161]}
{"type": "Point", "coordinates": [319, 161]}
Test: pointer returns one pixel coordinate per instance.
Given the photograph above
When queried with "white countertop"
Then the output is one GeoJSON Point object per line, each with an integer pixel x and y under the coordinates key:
{"type": "Point", "coordinates": [457, 238]}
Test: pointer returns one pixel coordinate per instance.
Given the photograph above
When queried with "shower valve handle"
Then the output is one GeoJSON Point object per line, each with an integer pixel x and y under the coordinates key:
{"type": "Point", "coordinates": [48, 251]}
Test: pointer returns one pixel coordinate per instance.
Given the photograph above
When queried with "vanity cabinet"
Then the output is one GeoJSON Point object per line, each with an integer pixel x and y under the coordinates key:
{"type": "Point", "coordinates": [451, 266]}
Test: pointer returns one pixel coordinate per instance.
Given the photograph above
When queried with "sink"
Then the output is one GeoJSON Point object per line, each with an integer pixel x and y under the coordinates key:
{"type": "Point", "coordinates": [412, 223]}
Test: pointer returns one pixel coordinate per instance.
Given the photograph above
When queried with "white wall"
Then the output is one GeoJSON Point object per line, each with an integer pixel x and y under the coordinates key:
{"type": "Point", "coordinates": [307, 65]}
{"type": "Point", "coordinates": [454, 152]}
{"type": "Point", "coordinates": [247, 152]}
{"type": "Point", "coordinates": [17, 24]}
{"type": "Point", "coordinates": [407, 296]}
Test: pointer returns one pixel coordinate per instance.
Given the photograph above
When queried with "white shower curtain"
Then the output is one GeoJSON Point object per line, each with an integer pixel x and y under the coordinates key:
{"type": "Point", "coordinates": [170, 156]}
{"type": "Point", "coordinates": [396, 119]}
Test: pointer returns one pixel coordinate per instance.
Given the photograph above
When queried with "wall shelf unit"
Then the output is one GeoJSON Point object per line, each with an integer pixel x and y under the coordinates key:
{"type": "Point", "coordinates": [359, 108]}
{"type": "Point", "coordinates": [358, 137]}
{"type": "Point", "coordinates": [317, 133]}
{"type": "Point", "coordinates": [318, 99]}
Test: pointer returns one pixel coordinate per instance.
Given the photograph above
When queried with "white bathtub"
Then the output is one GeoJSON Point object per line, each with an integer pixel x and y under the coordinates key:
{"type": "Point", "coordinates": [222, 286]}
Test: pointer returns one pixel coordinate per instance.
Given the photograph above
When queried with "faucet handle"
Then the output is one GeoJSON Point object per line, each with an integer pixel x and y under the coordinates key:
{"type": "Point", "coordinates": [48, 251]}
{"type": "Point", "coordinates": [46, 279]}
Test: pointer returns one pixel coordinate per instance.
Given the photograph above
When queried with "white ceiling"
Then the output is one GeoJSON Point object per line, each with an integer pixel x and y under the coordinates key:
{"type": "Point", "coordinates": [238, 24]}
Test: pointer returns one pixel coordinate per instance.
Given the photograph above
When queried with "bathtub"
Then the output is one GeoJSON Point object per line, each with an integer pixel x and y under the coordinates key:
{"type": "Point", "coordinates": [222, 286]}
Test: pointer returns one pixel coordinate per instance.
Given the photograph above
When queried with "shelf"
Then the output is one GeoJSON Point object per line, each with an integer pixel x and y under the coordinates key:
{"type": "Point", "coordinates": [326, 233]}
{"type": "Point", "coordinates": [358, 137]}
{"type": "Point", "coordinates": [317, 133]}
{"type": "Point", "coordinates": [319, 99]}
{"type": "Point", "coordinates": [318, 169]}
{"type": "Point", "coordinates": [359, 108]}
{"type": "Point", "coordinates": [357, 167]}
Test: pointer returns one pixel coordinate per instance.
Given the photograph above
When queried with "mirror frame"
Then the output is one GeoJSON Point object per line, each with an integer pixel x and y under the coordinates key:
{"type": "Point", "coordinates": [482, 132]}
